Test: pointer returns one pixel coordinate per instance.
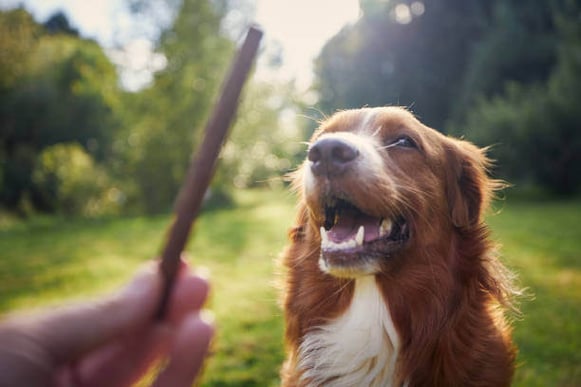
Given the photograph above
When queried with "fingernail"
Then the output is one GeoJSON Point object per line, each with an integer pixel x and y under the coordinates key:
{"type": "Point", "coordinates": [144, 280]}
{"type": "Point", "coordinates": [207, 317]}
{"type": "Point", "coordinates": [203, 272]}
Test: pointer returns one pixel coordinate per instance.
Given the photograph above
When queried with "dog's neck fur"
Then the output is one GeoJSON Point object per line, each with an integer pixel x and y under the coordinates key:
{"type": "Point", "coordinates": [358, 348]}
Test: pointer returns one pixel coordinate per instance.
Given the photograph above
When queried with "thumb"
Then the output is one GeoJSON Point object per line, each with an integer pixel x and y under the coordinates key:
{"type": "Point", "coordinates": [71, 331]}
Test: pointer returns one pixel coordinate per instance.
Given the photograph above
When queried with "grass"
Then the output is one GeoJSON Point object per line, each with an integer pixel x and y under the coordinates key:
{"type": "Point", "coordinates": [46, 260]}
{"type": "Point", "coordinates": [542, 243]}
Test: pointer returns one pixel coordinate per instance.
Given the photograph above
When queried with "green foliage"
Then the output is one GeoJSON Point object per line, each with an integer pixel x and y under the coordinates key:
{"type": "Point", "coordinates": [78, 88]}
{"type": "Point", "coordinates": [167, 119]}
{"type": "Point", "coordinates": [145, 139]}
{"type": "Point", "coordinates": [59, 24]}
{"type": "Point", "coordinates": [504, 52]}
{"type": "Point", "coordinates": [504, 73]}
{"type": "Point", "coordinates": [518, 45]}
{"type": "Point", "coordinates": [66, 91]}
{"type": "Point", "coordinates": [79, 258]}
{"type": "Point", "coordinates": [264, 143]}
{"type": "Point", "coordinates": [536, 127]}
{"type": "Point", "coordinates": [401, 53]}
{"type": "Point", "coordinates": [70, 182]}
{"type": "Point", "coordinates": [18, 37]}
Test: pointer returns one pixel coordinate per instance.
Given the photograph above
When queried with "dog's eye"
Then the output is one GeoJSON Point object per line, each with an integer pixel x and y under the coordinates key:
{"type": "Point", "coordinates": [404, 142]}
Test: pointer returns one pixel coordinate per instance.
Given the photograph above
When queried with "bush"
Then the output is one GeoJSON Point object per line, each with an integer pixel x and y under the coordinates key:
{"type": "Point", "coordinates": [68, 181]}
{"type": "Point", "coordinates": [535, 129]}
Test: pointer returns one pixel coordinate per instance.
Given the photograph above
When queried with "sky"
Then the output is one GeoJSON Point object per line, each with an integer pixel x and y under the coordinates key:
{"type": "Point", "coordinates": [299, 27]}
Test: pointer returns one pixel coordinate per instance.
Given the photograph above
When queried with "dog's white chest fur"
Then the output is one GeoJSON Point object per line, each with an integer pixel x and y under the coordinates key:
{"type": "Point", "coordinates": [357, 349]}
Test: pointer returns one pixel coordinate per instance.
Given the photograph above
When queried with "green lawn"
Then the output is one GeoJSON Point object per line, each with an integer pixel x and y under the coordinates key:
{"type": "Point", "coordinates": [542, 243]}
{"type": "Point", "coordinates": [46, 260]}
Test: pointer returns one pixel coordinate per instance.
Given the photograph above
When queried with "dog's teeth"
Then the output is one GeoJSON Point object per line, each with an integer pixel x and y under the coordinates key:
{"type": "Point", "coordinates": [360, 235]}
{"type": "Point", "coordinates": [324, 237]}
{"type": "Point", "coordinates": [385, 227]}
{"type": "Point", "coordinates": [352, 243]}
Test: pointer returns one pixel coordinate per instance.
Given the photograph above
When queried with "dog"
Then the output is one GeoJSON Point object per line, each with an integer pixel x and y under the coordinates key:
{"type": "Point", "coordinates": [390, 275]}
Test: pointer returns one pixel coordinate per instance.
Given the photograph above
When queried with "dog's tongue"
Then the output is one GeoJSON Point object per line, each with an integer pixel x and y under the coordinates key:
{"type": "Point", "coordinates": [348, 224]}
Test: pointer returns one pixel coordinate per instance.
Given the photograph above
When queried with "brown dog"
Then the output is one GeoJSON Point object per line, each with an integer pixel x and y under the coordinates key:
{"type": "Point", "coordinates": [391, 277]}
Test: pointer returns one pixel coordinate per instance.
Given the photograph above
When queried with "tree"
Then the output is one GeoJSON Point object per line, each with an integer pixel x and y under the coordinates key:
{"type": "Point", "coordinates": [265, 140]}
{"type": "Point", "coordinates": [66, 91]}
{"type": "Point", "coordinates": [502, 72]}
{"type": "Point", "coordinates": [401, 53]}
{"type": "Point", "coordinates": [59, 23]}
{"type": "Point", "coordinates": [168, 116]}
{"type": "Point", "coordinates": [70, 182]}
{"type": "Point", "coordinates": [18, 37]}
{"type": "Point", "coordinates": [537, 127]}
{"type": "Point", "coordinates": [518, 44]}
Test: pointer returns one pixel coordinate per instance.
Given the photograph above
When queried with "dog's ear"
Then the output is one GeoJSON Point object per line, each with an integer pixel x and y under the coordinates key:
{"type": "Point", "coordinates": [468, 186]}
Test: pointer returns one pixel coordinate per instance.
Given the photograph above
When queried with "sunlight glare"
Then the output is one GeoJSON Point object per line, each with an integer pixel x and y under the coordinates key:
{"type": "Point", "coordinates": [302, 27]}
{"type": "Point", "coordinates": [418, 8]}
{"type": "Point", "coordinates": [296, 29]}
{"type": "Point", "coordinates": [402, 14]}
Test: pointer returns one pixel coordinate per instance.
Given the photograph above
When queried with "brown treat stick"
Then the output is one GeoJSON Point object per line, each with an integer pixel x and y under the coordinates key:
{"type": "Point", "coordinates": [201, 169]}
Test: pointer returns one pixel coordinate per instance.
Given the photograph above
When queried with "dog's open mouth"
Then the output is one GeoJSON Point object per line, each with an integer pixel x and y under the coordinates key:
{"type": "Point", "coordinates": [350, 237]}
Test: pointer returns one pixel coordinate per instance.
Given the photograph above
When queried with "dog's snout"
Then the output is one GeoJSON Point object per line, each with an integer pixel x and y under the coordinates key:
{"type": "Point", "coordinates": [331, 156]}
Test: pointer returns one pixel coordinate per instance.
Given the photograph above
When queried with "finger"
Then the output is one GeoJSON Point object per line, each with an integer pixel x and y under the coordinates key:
{"type": "Point", "coordinates": [123, 363]}
{"type": "Point", "coordinates": [127, 360]}
{"type": "Point", "coordinates": [187, 354]}
{"type": "Point", "coordinates": [72, 331]}
{"type": "Point", "coordinates": [189, 294]}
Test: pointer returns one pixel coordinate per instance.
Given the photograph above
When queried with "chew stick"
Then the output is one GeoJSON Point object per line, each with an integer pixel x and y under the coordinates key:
{"type": "Point", "coordinates": [202, 168]}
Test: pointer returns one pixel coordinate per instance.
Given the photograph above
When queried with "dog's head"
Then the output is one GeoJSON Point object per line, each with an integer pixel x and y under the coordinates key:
{"type": "Point", "coordinates": [378, 184]}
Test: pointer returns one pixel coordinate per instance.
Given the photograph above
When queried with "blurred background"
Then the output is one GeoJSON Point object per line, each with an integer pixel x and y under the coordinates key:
{"type": "Point", "coordinates": [102, 104]}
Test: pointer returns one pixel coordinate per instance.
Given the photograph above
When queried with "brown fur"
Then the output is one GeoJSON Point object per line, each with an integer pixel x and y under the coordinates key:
{"type": "Point", "coordinates": [446, 289]}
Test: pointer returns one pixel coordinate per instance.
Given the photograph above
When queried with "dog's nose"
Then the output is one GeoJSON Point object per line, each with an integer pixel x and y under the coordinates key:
{"type": "Point", "coordinates": [331, 156]}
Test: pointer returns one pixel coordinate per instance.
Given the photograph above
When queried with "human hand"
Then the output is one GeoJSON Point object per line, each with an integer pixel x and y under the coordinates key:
{"type": "Point", "coordinates": [113, 341]}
